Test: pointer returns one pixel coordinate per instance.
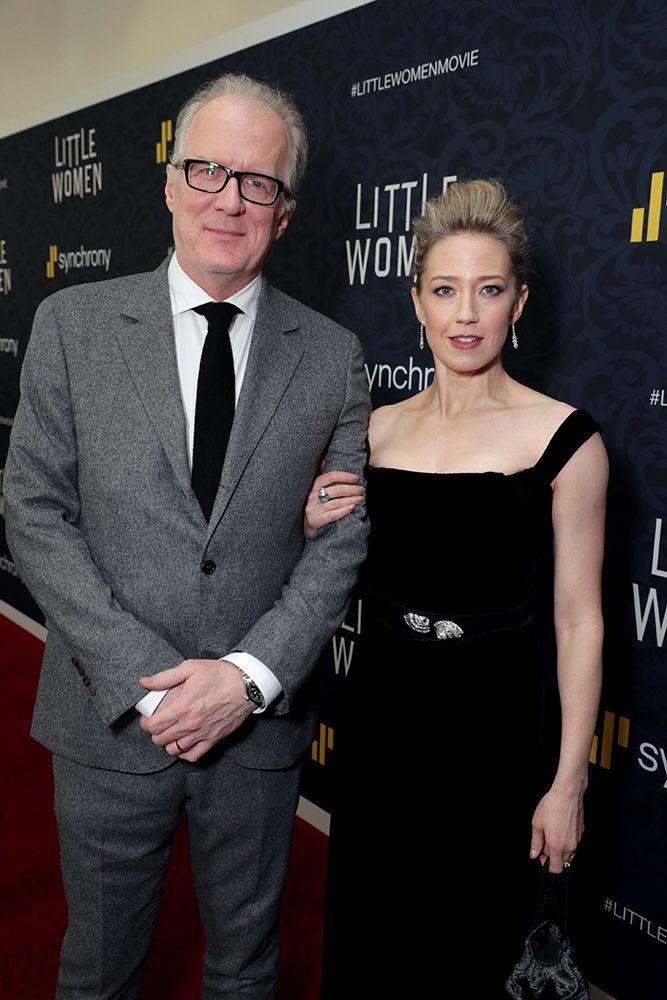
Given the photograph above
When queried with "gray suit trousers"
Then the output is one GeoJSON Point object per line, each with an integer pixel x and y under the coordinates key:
{"type": "Point", "coordinates": [116, 832]}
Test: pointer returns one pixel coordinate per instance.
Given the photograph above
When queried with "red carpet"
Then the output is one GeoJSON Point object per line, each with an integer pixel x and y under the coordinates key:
{"type": "Point", "coordinates": [32, 917]}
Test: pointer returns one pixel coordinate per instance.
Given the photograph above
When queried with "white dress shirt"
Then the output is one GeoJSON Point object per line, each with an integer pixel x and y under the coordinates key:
{"type": "Point", "coordinates": [190, 331]}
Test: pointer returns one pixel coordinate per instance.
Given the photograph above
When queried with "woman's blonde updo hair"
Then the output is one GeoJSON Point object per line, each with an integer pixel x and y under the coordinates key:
{"type": "Point", "coordinates": [480, 206]}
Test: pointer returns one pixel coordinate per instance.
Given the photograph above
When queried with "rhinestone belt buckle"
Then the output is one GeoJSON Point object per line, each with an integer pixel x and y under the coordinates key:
{"type": "Point", "coordinates": [444, 629]}
{"type": "Point", "coordinates": [447, 629]}
{"type": "Point", "coordinates": [418, 623]}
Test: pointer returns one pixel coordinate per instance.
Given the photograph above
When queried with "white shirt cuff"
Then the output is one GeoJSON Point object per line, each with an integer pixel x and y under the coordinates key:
{"type": "Point", "coordinates": [264, 678]}
{"type": "Point", "coordinates": [149, 702]}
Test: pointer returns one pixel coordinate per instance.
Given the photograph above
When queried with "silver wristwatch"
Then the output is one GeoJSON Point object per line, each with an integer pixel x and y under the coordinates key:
{"type": "Point", "coordinates": [252, 692]}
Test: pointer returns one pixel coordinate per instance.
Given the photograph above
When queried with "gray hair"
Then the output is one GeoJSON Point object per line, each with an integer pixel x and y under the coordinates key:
{"type": "Point", "coordinates": [479, 206]}
{"type": "Point", "coordinates": [240, 85]}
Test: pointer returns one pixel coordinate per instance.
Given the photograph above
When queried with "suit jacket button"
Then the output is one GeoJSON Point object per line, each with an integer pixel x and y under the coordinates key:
{"type": "Point", "coordinates": [92, 691]}
{"type": "Point", "coordinates": [208, 567]}
{"type": "Point", "coordinates": [87, 681]}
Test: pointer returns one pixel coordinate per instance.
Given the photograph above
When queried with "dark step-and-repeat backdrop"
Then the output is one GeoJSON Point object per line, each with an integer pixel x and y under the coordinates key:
{"type": "Point", "coordinates": [565, 101]}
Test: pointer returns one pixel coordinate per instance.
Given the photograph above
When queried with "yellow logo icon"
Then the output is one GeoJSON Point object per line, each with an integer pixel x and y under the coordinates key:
{"type": "Point", "coordinates": [51, 262]}
{"type": "Point", "coordinates": [622, 739]}
{"type": "Point", "coordinates": [324, 742]}
{"type": "Point", "coordinates": [161, 146]}
{"type": "Point", "coordinates": [654, 210]}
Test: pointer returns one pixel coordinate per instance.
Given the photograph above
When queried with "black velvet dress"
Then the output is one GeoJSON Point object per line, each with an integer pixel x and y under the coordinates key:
{"type": "Point", "coordinates": [441, 741]}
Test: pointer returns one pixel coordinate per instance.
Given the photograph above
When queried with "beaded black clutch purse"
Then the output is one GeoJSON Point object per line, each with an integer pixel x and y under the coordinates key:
{"type": "Point", "coordinates": [548, 969]}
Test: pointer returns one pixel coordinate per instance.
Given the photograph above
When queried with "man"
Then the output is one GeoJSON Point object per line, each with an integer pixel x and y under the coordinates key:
{"type": "Point", "coordinates": [202, 608]}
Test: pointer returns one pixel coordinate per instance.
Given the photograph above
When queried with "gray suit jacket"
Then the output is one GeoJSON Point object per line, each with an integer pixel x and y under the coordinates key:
{"type": "Point", "coordinates": [109, 536]}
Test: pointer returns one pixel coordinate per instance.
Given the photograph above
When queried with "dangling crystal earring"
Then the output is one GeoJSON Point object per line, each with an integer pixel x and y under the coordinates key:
{"type": "Point", "coordinates": [421, 337]}
{"type": "Point", "coordinates": [515, 339]}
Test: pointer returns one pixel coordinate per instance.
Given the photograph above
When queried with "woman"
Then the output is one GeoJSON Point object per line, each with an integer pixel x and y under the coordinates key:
{"type": "Point", "coordinates": [486, 500]}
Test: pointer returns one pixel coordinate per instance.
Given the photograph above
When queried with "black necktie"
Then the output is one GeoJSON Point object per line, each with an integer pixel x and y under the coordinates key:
{"type": "Point", "coordinates": [214, 412]}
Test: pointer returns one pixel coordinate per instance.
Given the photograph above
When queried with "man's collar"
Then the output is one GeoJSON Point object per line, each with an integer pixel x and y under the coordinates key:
{"type": "Point", "coordinates": [185, 294]}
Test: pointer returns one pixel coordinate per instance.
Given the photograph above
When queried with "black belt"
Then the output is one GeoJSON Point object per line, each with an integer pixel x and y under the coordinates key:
{"type": "Point", "coordinates": [440, 626]}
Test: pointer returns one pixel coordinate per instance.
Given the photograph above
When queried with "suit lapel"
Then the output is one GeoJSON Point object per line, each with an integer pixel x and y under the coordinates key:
{"type": "Point", "coordinates": [146, 339]}
{"type": "Point", "coordinates": [275, 352]}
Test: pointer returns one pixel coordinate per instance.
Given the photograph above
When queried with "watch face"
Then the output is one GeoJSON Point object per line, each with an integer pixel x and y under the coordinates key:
{"type": "Point", "coordinates": [254, 693]}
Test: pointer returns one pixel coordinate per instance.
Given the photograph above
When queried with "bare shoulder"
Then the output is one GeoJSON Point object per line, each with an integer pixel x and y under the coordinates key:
{"type": "Point", "coordinates": [586, 473]}
{"type": "Point", "coordinates": [386, 420]}
{"type": "Point", "coordinates": [382, 424]}
{"type": "Point", "coordinates": [544, 412]}
{"type": "Point", "coordinates": [386, 415]}
{"type": "Point", "coordinates": [536, 417]}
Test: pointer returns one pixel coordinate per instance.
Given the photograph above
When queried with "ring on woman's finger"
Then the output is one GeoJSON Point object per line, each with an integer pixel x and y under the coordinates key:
{"type": "Point", "coordinates": [323, 495]}
{"type": "Point", "coordinates": [179, 747]}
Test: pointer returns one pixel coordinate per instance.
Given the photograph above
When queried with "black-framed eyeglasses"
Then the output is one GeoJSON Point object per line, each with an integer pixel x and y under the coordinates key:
{"type": "Point", "coordinates": [204, 175]}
